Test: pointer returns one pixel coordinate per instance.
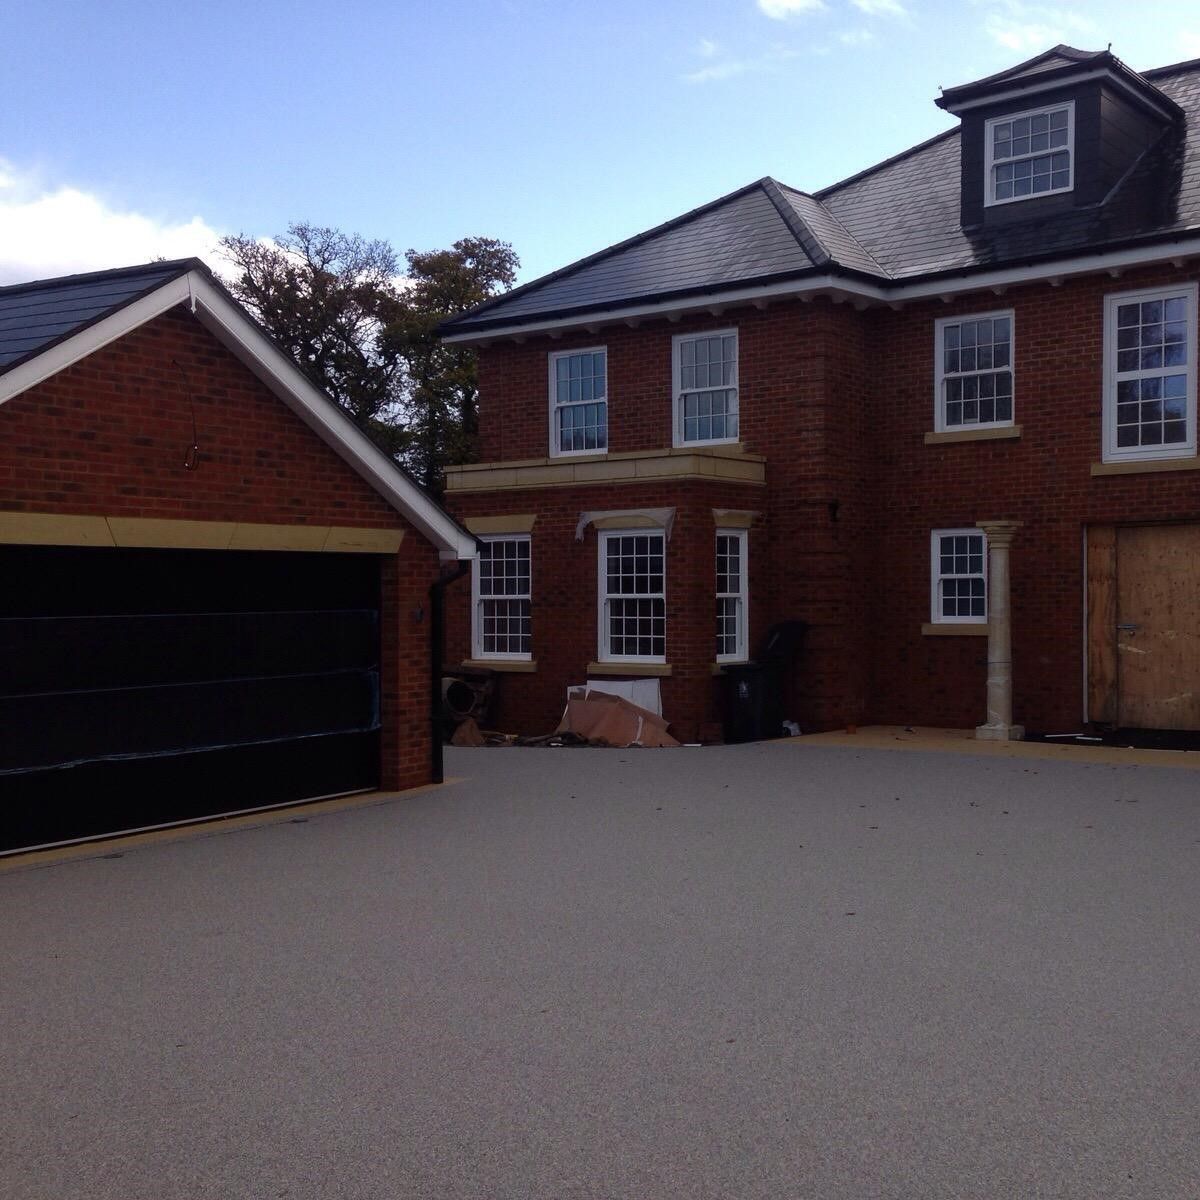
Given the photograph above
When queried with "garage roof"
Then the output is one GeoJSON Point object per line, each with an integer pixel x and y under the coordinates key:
{"type": "Point", "coordinates": [47, 325]}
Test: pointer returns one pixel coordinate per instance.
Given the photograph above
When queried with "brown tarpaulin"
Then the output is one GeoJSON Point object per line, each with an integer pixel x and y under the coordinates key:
{"type": "Point", "coordinates": [600, 717]}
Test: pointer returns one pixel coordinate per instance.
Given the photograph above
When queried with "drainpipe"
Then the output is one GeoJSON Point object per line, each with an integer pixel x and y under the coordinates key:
{"type": "Point", "coordinates": [437, 653]}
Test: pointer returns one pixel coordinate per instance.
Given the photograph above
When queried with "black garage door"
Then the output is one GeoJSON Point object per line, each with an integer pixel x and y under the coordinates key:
{"type": "Point", "coordinates": [144, 687]}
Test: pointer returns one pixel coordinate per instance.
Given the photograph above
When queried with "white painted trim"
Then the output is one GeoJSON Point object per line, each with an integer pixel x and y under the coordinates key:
{"type": "Point", "coordinates": [1111, 452]}
{"type": "Point", "coordinates": [477, 651]}
{"type": "Point", "coordinates": [677, 439]}
{"type": "Point", "coordinates": [603, 655]}
{"type": "Point", "coordinates": [679, 306]}
{"type": "Point", "coordinates": [551, 359]}
{"type": "Point", "coordinates": [989, 184]}
{"type": "Point", "coordinates": [935, 615]}
{"type": "Point", "coordinates": [939, 374]}
{"type": "Point", "coordinates": [1036, 86]}
{"type": "Point", "coordinates": [231, 326]}
{"type": "Point", "coordinates": [964, 283]}
{"type": "Point", "coordinates": [742, 653]}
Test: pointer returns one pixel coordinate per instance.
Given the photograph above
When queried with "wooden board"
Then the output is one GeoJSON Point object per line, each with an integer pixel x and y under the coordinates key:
{"type": "Point", "coordinates": [1158, 627]}
{"type": "Point", "coordinates": [1102, 623]}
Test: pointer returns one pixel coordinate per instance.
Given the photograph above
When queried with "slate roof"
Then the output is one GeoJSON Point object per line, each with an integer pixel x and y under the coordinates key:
{"type": "Point", "coordinates": [892, 223]}
{"type": "Point", "coordinates": [34, 316]}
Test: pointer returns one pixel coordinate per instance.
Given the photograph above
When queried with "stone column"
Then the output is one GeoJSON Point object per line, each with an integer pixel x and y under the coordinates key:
{"type": "Point", "coordinates": [999, 727]}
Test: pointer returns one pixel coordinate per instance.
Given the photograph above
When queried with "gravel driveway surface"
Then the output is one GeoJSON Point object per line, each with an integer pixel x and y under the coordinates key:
{"type": "Point", "coordinates": [758, 971]}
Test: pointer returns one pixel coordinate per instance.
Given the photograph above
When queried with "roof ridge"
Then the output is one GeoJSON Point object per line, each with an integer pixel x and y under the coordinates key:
{"type": "Point", "coordinates": [55, 281]}
{"type": "Point", "coordinates": [832, 216]}
{"type": "Point", "coordinates": [1188, 64]}
{"type": "Point", "coordinates": [821, 193]}
{"type": "Point", "coordinates": [809, 242]}
{"type": "Point", "coordinates": [636, 240]}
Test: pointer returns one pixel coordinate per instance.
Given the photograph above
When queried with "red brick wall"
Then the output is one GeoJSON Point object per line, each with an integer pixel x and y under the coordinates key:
{"type": "Point", "coordinates": [109, 436]}
{"type": "Point", "coordinates": [564, 596]}
{"type": "Point", "coordinates": [1043, 479]}
{"type": "Point", "coordinates": [839, 401]}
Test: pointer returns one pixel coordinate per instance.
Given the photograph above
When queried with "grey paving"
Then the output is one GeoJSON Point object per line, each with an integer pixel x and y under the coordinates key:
{"type": "Point", "coordinates": [762, 971]}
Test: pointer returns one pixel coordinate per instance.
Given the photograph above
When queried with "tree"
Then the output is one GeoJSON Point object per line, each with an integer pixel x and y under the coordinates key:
{"type": "Point", "coordinates": [368, 335]}
{"type": "Point", "coordinates": [323, 295]}
{"type": "Point", "coordinates": [441, 393]}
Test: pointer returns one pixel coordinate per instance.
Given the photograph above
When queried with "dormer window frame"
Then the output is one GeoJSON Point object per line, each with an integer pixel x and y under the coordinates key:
{"type": "Point", "coordinates": [990, 163]}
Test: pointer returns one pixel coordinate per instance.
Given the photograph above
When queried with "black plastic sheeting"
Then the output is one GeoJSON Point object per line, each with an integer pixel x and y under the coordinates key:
{"type": "Point", "coordinates": [148, 687]}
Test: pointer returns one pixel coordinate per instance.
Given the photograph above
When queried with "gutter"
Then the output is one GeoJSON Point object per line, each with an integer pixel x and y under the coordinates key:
{"type": "Point", "coordinates": [437, 652]}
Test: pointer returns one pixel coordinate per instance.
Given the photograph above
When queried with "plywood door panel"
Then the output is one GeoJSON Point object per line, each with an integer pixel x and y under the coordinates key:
{"type": "Point", "coordinates": [1102, 623]}
{"type": "Point", "coordinates": [1158, 626]}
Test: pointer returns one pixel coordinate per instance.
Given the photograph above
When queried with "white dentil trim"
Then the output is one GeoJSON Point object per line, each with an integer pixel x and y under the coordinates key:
{"type": "Point", "coordinates": [1187, 246]}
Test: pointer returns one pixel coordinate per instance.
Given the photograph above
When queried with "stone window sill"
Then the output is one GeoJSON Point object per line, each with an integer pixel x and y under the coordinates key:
{"type": "Point", "coordinates": [500, 664]}
{"type": "Point", "coordinates": [1142, 466]}
{"type": "Point", "coordinates": [954, 629]}
{"type": "Point", "coordinates": [1001, 433]}
{"type": "Point", "coordinates": [630, 668]}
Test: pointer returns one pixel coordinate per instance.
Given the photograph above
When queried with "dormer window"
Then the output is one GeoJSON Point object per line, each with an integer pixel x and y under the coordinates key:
{"type": "Point", "coordinates": [1030, 154]}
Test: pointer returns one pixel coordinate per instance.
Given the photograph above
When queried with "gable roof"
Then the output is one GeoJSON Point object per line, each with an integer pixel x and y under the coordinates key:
{"type": "Point", "coordinates": [886, 227]}
{"type": "Point", "coordinates": [47, 325]}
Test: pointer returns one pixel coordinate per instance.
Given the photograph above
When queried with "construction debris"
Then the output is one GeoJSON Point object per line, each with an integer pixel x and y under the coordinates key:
{"type": "Point", "coordinates": [608, 720]}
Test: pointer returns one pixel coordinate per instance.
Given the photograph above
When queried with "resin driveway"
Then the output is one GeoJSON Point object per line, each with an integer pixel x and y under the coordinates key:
{"type": "Point", "coordinates": [783, 970]}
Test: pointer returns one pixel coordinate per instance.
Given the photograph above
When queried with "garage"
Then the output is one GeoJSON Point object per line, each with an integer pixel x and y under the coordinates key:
{"type": "Point", "coordinates": [217, 589]}
{"type": "Point", "coordinates": [176, 685]}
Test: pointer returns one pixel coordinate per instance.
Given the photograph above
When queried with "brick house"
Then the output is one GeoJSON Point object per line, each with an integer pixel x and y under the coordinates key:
{"type": "Point", "coordinates": [216, 589]}
{"type": "Point", "coordinates": [943, 411]}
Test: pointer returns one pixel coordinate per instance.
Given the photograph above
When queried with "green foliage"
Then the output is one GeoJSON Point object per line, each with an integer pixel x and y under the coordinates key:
{"type": "Point", "coordinates": [338, 304]}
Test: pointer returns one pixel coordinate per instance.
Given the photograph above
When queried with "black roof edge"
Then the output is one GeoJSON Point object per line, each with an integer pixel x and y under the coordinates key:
{"type": "Point", "coordinates": [449, 325]}
{"type": "Point", "coordinates": [179, 265]}
{"type": "Point", "coordinates": [1081, 60]}
{"type": "Point", "coordinates": [1062, 50]}
{"type": "Point", "coordinates": [1188, 64]}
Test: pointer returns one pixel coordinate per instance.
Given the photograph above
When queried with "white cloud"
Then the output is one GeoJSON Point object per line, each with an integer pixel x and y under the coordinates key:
{"type": "Point", "coordinates": [47, 231]}
{"type": "Point", "coordinates": [1031, 27]}
{"type": "Point", "coordinates": [730, 68]}
{"type": "Point", "coordinates": [875, 8]}
{"type": "Point", "coordinates": [780, 10]}
{"type": "Point", "coordinates": [707, 48]}
{"type": "Point", "coordinates": [856, 37]}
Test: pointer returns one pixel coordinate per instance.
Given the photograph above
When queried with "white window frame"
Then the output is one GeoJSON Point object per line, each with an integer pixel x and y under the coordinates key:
{"type": "Point", "coordinates": [604, 653]}
{"type": "Point", "coordinates": [989, 183]}
{"type": "Point", "coordinates": [936, 576]}
{"type": "Point", "coordinates": [677, 389]}
{"type": "Point", "coordinates": [940, 376]}
{"type": "Point", "coordinates": [552, 392]}
{"type": "Point", "coordinates": [1111, 451]}
{"type": "Point", "coordinates": [477, 601]}
{"type": "Point", "coordinates": [742, 595]}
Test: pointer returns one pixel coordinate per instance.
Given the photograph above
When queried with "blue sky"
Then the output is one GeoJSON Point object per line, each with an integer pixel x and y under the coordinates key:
{"type": "Point", "coordinates": [133, 129]}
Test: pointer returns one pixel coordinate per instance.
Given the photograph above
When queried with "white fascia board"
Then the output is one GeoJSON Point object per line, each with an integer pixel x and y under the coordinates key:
{"type": "Point", "coordinates": [93, 338]}
{"type": "Point", "coordinates": [1187, 245]}
{"type": "Point", "coordinates": [242, 337]}
{"type": "Point", "coordinates": [680, 306]}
